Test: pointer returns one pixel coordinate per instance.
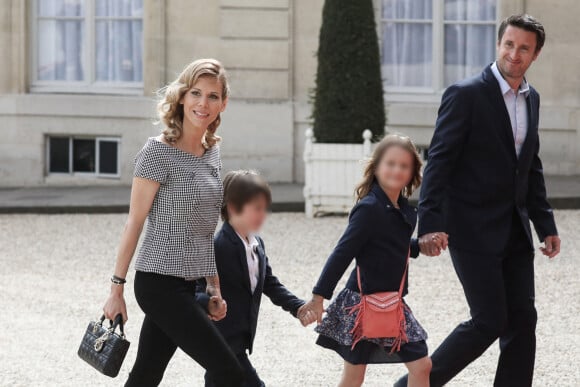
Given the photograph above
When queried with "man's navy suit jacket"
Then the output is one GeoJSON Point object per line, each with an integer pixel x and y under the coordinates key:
{"type": "Point", "coordinates": [239, 325]}
{"type": "Point", "coordinates": [474, 181]}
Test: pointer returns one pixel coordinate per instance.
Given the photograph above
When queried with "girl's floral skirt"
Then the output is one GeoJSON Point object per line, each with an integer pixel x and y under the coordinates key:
{"type": "Point", "coordinates": [335, 334]}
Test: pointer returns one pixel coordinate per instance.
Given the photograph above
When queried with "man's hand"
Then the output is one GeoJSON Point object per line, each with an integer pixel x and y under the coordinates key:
{"type": "Point", "coordinates": [551, 246]}
{"type": "Point", "coordinates": [431, 244]}
{"type": "Point", "coordinates": [217, 308]}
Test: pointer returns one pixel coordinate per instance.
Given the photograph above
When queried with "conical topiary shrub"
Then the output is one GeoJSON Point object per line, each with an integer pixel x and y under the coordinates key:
{"type": "Point", "coordinates": [348, 97]}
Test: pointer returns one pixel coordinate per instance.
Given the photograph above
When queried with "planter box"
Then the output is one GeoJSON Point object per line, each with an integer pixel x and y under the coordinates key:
{"type": "Point", "coordinates": [331, 174]}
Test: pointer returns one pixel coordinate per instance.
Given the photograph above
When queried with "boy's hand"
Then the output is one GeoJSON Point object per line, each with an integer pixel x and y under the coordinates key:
{"type": "Point", "coordinates": [217, 308]}
{"type": "Point", "coordinates": [306, 316]}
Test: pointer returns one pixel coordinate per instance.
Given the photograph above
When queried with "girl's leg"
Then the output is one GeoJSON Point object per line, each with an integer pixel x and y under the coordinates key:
{"type": "Point", "coordinates": [419, 371]}
{"type": "Point", "coordinates": [353, 375]}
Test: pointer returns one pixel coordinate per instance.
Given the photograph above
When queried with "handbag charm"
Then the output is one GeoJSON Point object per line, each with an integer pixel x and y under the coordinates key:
{"type": "Point", "coordinates": [103, 348]}
{"type": "Point", "coordinates": [380, 315]}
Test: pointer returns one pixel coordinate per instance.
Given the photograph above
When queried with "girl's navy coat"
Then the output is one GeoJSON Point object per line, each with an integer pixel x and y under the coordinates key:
{"type": "Point", "coordinates": [239, 325]}
{"type": "Point", "coordinates": [378, 236]}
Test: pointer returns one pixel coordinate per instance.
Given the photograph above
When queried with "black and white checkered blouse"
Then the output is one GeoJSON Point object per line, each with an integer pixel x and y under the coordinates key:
{"type": "Point", "coordinates": [184, 215]}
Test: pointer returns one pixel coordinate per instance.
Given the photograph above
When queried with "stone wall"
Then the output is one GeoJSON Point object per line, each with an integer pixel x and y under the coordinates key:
{"type": "Point", "coordinates": [269, 48]}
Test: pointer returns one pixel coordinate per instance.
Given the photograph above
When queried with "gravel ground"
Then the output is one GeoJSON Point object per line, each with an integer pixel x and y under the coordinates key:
{"type": "Point", "coordinates": [54, 279]}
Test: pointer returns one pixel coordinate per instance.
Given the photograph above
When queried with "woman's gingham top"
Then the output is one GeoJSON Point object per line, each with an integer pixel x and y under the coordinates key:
{"type": "Point", "coordinates": [184, 215]}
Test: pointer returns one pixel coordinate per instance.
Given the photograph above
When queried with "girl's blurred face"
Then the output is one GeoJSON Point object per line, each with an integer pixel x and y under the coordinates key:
{"type": "Point", "coordinates": [395, 169]}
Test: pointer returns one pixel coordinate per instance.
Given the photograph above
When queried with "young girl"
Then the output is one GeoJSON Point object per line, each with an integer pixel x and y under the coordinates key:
{"type": "Point", "coordinates": [379, 237]}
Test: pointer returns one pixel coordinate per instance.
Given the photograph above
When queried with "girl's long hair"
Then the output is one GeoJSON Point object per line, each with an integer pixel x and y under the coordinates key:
{"type": "Point", "coordinates": [391, 140]}
{"type": "Point", "coordinates": [170, 110]}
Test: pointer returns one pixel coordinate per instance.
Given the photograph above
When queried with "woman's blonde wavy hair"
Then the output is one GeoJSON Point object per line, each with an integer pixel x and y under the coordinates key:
{"type": "Point", "coordinates": [169, 109]}
{"type": "Point", "coordinates": [364, 187]}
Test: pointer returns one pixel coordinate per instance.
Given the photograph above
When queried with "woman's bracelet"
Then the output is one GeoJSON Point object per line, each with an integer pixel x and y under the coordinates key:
{"type": "Point", "coordinates": [118, 280]}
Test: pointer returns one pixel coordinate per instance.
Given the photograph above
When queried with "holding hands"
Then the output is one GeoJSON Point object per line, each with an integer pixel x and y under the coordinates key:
{"type": "Point", "coordinates": [433, 243]}
{"type": "Point", "coordinates": [306, 316]}
{"type": "Point", "coordinates": [217, 308]}
{"type": "Point", "coordinates": [311, 311]}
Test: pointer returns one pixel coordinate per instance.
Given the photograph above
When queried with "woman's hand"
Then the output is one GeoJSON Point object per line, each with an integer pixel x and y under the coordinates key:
{"type": "Point", "coordinates": [213, 286]}
{"type": "Point", "coordinates": [217, 308]}
{"type": "Point", "coordinates": [213, 291]}
{"type": "Point", "coordinates": [115, 304]}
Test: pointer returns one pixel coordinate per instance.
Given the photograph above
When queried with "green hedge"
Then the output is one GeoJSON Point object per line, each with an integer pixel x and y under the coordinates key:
{"type": "Point", "coordinates": [348, 97]}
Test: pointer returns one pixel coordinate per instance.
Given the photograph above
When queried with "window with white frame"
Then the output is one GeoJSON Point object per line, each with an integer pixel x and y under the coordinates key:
{"type": "Point", "coordinates": [87, 45]}
{"type": "Point", "coordinates": [98, 156]}
{"type": "Point", "coordinates": [429, 44]}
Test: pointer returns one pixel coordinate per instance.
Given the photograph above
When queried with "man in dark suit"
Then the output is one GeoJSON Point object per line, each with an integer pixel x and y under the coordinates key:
{"type": "Point", "coordinates": [482, 185]}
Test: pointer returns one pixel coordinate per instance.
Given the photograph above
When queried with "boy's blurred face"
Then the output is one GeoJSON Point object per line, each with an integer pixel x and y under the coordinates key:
{"type": "Point", "coordinates": [252, 215]}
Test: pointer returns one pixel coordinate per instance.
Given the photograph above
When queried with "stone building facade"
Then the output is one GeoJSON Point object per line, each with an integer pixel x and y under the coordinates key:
{"type": "Point", "coordinates": [78, 77]}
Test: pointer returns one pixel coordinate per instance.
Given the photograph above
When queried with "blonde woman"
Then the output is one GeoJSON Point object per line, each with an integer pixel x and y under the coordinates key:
{"type": "Point", "coordinates": [177, 187]}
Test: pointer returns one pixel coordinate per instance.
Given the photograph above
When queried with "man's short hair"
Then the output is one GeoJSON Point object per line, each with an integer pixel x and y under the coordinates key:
{"type": "Point", "coordinates": [525, 22]}
{"type": "Point", "coordinates": [241, 187]}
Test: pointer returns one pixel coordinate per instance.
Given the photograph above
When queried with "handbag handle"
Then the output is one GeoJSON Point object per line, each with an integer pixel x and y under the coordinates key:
{"type": "Point", "coordinates": [118, 322]}
{"type": "Point", "coordinates": [401, 286]}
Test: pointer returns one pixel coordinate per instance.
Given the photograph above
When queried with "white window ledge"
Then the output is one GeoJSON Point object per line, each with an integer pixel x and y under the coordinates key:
{"type": "Point", "coordinates": [412, 96]}
{"type": "Point", "coordinates": [83, 88]}
{"type": "Point", "coordinates": [66, 179]}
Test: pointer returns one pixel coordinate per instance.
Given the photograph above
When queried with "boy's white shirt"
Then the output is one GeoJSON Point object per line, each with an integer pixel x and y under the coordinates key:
{"type": "Point", "coordinates": [252, 259]}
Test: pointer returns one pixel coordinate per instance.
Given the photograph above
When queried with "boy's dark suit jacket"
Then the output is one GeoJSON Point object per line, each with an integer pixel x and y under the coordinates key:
{"type": "Point", "coordinates": [239, 325]}
{"type": "Point", "coordinates": [474, 181]}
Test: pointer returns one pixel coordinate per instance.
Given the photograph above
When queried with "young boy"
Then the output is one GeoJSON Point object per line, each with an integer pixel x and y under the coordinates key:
{"type": "Point", "coordinates": [243, 268]}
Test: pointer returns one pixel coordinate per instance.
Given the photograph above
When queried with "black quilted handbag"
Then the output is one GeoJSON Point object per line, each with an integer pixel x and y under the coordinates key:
{"type": "Point", "coordinates": [103, 348]}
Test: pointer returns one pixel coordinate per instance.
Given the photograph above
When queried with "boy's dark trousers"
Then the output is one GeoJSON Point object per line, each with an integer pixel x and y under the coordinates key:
{"type": "Point", "coordinates": [252, 378]}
